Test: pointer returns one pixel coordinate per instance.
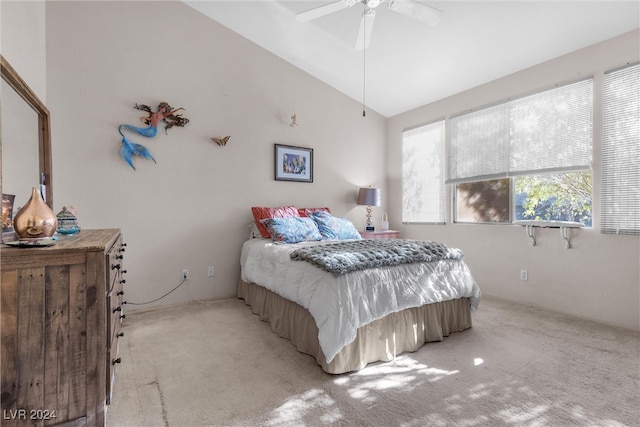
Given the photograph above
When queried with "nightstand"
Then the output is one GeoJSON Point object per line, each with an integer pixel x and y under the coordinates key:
{"type": "Point", "coordinates": [387, 234]}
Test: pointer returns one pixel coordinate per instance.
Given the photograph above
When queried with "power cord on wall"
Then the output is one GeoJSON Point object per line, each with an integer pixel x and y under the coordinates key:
{"type": "Point", "coordinates": [184, 279]}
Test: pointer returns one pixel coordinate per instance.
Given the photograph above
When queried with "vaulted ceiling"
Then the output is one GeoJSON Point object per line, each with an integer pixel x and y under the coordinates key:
{"type": "Point", "coordinates": [410, 63]}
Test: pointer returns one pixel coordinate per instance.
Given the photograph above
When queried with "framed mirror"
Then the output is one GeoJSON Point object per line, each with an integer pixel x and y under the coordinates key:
{"type": "Point", "coordinates": [25, 140]}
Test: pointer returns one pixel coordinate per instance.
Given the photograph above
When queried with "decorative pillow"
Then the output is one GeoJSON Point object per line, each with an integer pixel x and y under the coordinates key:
{"type": "Point", "coordinates": [309, 211]}
{"type": "Point", "coordinates": [333, 228]}
{"type": "Point", "coordinates": [253, 230]}
{"type": "Point", "coordinates": [260, 213]}
{"type": "Point", "coordinates": [292, 229]}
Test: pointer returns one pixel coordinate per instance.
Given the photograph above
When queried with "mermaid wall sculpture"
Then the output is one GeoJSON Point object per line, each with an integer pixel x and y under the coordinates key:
{"type": "Point", "coordinates": [164, 113]}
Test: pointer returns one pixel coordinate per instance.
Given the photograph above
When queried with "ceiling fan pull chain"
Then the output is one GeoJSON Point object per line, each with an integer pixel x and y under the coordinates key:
{"type": "Point", "coordinates": [364, 64]}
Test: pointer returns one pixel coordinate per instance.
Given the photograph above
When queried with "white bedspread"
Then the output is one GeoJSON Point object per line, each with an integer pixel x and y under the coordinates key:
{"type": "Point", "coordinates": [342, 304]}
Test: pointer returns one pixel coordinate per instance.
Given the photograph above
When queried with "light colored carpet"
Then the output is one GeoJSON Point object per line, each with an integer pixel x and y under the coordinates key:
{"type": "Point", "coordinates": [218, 365]}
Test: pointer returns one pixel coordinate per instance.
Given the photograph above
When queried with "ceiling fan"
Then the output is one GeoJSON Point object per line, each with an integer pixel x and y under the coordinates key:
{"type": "Point", "coordinates": [410, 8]}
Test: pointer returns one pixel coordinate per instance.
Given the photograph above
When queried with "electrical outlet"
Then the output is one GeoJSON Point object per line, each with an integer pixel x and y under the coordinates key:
{"type": "Point", "coordinates": [210, 272]}
{"type": "Point", "coordinates": [185, 274]}
{"type": "Point", "coordinates": [524, 275]}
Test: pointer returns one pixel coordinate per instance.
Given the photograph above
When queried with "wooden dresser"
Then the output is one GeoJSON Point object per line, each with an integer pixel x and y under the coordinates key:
{"type": "Point", "coordinates": [60, 325]}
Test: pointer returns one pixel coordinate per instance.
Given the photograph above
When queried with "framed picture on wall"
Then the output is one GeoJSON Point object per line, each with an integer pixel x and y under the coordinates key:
{"type": "Point", "coordinates": [293, 163]}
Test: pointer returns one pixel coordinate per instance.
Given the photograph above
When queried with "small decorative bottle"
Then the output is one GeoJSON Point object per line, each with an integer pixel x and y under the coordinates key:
{"type": "Point", "coordinates": [67, 222]}
{"type": "Point", "coordinates": [384, 223]}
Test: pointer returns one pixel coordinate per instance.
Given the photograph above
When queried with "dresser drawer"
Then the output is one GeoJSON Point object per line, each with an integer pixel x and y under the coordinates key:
{"type": "Point", "coordinates": [115, 262]}
{"type": "Point", "coordinates": [113, 358]}
{"type": "Point", "coordinates": [115, 311]}
{"type": "Point", "coordinates": [116, 314]}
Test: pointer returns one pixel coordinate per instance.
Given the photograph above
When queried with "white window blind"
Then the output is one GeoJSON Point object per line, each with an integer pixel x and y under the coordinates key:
{"type": "Point", "coordinates": [479, 145]}
{"type": "Point", "coordinates": [550, 131]}
{"type": "Point", "coordinates": [620, 211]}
{"type": "Point", "coordinates": [423, 174]}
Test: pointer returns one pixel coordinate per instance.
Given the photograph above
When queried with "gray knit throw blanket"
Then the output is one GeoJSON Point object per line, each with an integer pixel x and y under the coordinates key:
{"type": "Point", "coordinates": [352, 255]}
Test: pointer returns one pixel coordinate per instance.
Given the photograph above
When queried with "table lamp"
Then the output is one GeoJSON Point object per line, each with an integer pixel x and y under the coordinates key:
{"type": "Point", "coordinates": [369, 197]}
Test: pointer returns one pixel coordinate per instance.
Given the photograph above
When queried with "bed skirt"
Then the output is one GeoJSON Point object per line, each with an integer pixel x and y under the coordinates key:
{"type": "Point", "coordinates": [380, 340]}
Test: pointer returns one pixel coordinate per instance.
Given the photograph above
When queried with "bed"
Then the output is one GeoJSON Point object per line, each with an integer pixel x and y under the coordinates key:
{"type": "Point", "coordinates": [344, 316]}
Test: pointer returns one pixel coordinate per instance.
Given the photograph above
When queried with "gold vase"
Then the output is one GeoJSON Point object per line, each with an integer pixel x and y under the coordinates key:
{"type": "Point", "coordinates": [35, 220]}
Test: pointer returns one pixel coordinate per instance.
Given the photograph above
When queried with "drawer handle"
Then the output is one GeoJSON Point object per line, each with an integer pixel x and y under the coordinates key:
{"type": "Point", "coordinates": [120, 292]}
{"type": "Point", "coordinates": [119, 256]}
{"type": "Point", "coordinates": [123, 281]}
{"type": "Point", "coordinates": [118, 360]}
{"type": "Point", "coordinates": [115, 266]}
{"type": "Point", "coordinates": [117, 309]}
{"type": "Point", "coordinates": [123, 316]}
{"type": "Point", "coordinates": [121, 334]}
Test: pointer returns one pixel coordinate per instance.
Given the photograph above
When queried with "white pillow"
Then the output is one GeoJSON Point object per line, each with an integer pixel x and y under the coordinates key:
{"type": "Point", "coordinates": [254, 232]}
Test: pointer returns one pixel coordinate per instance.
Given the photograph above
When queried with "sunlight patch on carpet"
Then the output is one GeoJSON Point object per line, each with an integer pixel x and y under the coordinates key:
{"type": "Point", "coordinates": [402, 374]}
{"type": "Point", "coordinates": [314, 403]}
{"type": "Point", "coordinates": [525, 414]}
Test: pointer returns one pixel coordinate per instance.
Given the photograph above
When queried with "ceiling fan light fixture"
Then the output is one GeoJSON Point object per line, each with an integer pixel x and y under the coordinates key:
{"type": "Point", "coordinates": [410, 8]}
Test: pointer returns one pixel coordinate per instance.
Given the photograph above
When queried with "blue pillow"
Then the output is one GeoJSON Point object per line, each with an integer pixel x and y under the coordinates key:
{"type": "Point", "coordinates": [333, 228]}
{"type": "Point", "coordinates": [292, 229]}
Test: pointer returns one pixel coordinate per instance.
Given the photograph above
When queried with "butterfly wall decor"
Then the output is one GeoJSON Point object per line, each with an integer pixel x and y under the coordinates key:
{"type": "Point", "coordinates": [221, 141]}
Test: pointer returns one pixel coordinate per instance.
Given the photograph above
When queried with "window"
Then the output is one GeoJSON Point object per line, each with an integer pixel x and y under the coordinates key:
{"type": "Point", "coordinates": [423, 174]}
{"type": "Point", "coordinates": [621, 152]}
{"type": "Point", "coordinates": [483, 201]}
{"type": "Point", "coordinates": [554, 197]}
{"type": "Point", "coordinates": [524, 158]}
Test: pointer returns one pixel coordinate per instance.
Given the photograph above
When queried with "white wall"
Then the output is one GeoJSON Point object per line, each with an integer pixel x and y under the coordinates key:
{"type": "Point", "coordinates": [192, 208]}
{"type": "Point", "coordinates": [23, 43]}
{"type": "Point", "coordinates": [599, 277]}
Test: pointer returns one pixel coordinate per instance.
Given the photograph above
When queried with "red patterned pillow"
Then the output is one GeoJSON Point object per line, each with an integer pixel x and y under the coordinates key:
{"type": "Point", "coordinates": [260, 213]}
{"type": "Point", "coordinates": [307, 211]}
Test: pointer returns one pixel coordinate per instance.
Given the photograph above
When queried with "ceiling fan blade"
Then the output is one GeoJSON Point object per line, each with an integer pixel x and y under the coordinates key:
{"type": "Point", "coordinates": [366, 27]}
{"type": "Point", "coordinates": [323, 10]}
{"type": "Point", "coordinates": [416, 10]}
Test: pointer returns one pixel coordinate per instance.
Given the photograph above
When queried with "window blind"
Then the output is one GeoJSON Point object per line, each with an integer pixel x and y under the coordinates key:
{"type": "Point", "coordinates": [550, 131]}
{"type": "Point", "coordinates": [620, 212]}
{"type": "Point", "coordinates": [423, 174]}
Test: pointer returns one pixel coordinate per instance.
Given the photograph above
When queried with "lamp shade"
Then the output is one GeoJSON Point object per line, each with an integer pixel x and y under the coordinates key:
{"type": "Point", "coordinates": [369, 196]}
